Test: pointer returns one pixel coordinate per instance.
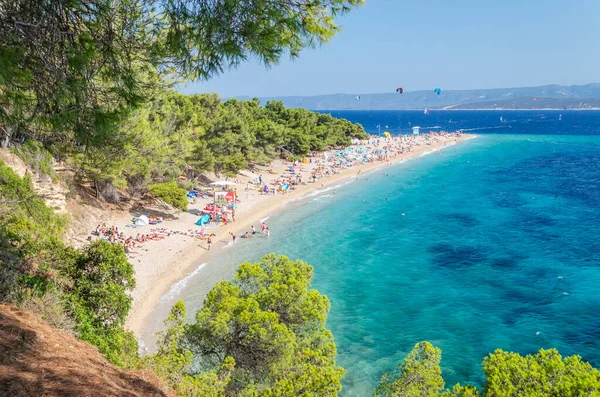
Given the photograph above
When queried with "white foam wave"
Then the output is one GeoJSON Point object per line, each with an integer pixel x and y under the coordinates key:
{"type": "Point", "coordinates": [316, 192]}
{"type": "Point", "coordinates": [180, 285]}
{"type": "Point", "coordinates": [263, 219]}
{"type": "Point", "coordinates": [426, 153]}
{"type": "Point", "coordinates": [322, 197]}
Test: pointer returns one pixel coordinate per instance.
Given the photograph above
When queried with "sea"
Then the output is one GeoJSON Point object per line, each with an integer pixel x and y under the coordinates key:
{"type": "Point", "coordinates": [491, 244]}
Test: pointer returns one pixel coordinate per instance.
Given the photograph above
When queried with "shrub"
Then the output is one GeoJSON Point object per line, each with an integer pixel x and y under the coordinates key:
{"type": "Point", "coordinates": [30, 235]}
{"type": "Point", "coordinates": [171, 194]}
{"type": "Point", "coordinates": [49, 307]}
{"type": "Point", "coordinates": [37, 157]}
{"type": "Point", "coordinates": [100, 280]}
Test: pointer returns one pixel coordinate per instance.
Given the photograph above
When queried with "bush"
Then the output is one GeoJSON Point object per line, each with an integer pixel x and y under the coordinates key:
{"type": "Point", "coordinates": [100, 280]}
{"type": "Point", "coordinates": [171, 194]}
{"type": "Point", "coordinates": [50, 307]}
{"type": "Point", "coordinates": [267, 327]}
{"type": "Point", "coordinates": [30, 235]}
{"type": "Point", "coordinates": [37, 157]}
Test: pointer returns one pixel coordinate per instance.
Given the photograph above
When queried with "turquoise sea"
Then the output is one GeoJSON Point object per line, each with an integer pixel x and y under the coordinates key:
{"type": "Point", "coordinates": [499, 246]}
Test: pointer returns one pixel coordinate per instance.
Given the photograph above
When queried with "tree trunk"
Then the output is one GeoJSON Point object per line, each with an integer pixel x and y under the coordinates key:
{"type": "Point", "coordinates": [97, 190]}
{"type": "Point", "coordinates": [4, 139]}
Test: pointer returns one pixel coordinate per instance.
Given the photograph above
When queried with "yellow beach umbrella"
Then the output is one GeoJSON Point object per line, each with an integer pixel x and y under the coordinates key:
{"type": "Point", "coordinates": [387, 134]}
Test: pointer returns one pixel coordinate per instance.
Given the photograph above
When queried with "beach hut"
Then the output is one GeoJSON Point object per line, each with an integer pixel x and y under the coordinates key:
{"type": "Point", "coordinates": [416, 130]}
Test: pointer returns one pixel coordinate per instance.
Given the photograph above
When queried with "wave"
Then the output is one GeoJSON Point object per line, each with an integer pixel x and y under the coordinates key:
{"type": "Point", "coordinates": [428, 153]}
{"type": "Point", "coordinates": [322, 197]}
{"type": "Point", "coordinates": [263, 219]}
{"type": "Point", "coordinates": [180, 285]}
{"type": "Point", "coordinates": [316, 193]}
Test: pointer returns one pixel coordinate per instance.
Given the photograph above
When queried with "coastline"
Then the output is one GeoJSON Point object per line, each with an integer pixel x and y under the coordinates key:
{"type": "Point", "coordinates": [171, 267]}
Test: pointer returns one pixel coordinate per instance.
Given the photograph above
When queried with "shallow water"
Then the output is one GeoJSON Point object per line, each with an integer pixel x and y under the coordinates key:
{"type": "Point", "coordinates": [499, 248]}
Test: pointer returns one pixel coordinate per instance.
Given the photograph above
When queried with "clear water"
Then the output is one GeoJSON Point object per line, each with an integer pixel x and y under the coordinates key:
{"type": "Point", "coordinates": [499, 248]}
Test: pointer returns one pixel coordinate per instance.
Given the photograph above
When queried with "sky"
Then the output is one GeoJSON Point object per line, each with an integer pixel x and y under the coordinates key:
{"type": "Point", "coordinates": [422, 44]}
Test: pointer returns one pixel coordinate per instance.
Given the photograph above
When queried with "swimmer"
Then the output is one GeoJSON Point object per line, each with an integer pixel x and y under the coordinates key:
{"type": "Point", "coordinates": [403, 214]}
{"type": "Point", "coordinates": [386, 199]}
{"type": "Point", "coordinates": [334, 191]}
{"type": "Point", "coordinates": [532, 197]}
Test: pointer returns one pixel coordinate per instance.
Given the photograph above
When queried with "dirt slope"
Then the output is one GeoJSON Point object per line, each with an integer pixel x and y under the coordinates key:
{"type": "Point", "coordinates": [38, 360]}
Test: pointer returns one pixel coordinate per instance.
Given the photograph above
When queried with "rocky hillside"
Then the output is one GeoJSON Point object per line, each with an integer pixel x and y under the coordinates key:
{"type": "Point", "coordinates": [53, 192]}
{"type": "Point", "coordinates": [38, 360]}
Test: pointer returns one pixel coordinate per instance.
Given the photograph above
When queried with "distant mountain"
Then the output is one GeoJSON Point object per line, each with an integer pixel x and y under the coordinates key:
{"type": "Point", "coordinates": [561, 96]}
{"type": "Point", "coordinates": [531, 103]}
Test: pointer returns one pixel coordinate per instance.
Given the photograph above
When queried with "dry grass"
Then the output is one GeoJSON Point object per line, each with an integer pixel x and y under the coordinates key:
{"type": "Point", "coordinates": [38, 360]}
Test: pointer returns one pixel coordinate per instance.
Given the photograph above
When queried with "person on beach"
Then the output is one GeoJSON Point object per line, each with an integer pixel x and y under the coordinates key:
{"type": "Point", "coordinates": [232, 237]}
{"type": "Point", "coordinates": [209, 242]}
{"type": "Point", "coordinates": [267, 233]}
{"type": "Point", "coordinates": [233, 214]}
{"type": "Point", "coordinates": [253, 230]}
{"type": "Point", "coordinates": [263, 227]}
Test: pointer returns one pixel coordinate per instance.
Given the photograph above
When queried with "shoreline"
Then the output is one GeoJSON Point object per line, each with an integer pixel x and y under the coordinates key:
{"type": "Point", "coordinates": [194, 256]}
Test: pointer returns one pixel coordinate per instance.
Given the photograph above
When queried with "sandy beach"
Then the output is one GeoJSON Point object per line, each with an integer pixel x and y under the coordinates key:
{"type": "Point", "coordinates": [160, 264]}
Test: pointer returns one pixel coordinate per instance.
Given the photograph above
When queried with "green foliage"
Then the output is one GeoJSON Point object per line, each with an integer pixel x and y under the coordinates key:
{"type": "Point", "coordinates": [171, 194]}
{"type": "Point", "coordinates": [461, 391]}
{"type": "Point", "coordinates": [100, 280]}
{"type": "Point", "coordinates": [176, 133]}
{"type": "Point", "coordinates": [543, 374]}
{"type": "Point", "coordinates": [217, 35]}
{"type": "Point", "coordinates": [30, 235]}
{"type": "Point", "coordinates": [49, 307]}
{"type": "Point", "coordinates": [75, 69]}
{"type": "Point", "coordinates": [38, 158]}
{"type": "Point", "coordinates": [86, 290]}
{"type": "Point", "coordinates": [272, 326]}
{"type": "Point", "coordinates": [418, 375]}
{"type": "Point", "coordinates": [172, 364]}
{"type": "Point", "coordinates": [71, 69]}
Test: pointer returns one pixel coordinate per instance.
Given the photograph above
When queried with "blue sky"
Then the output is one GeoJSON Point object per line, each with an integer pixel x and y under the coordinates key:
{"type": "Point", "coordinates": [422, 44]}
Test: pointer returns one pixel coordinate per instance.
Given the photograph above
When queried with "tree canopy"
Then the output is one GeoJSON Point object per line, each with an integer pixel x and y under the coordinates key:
{"type": "Point", "coordinates": [177, 133]}
{"type": "Point", "coordinates": [267, 327]}
{"type": "Point", "coordinates": [545, 374]}
{"type": "Point", "coordinates": [73, 69]}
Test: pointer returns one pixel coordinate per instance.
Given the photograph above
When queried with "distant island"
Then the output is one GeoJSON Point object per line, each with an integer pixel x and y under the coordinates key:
{"type": "Point", "coordinates": [543, 97]}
